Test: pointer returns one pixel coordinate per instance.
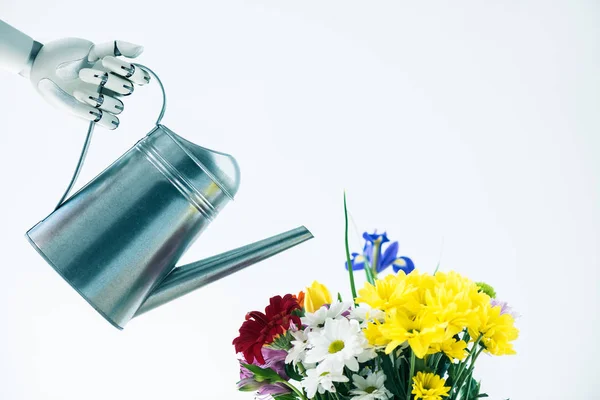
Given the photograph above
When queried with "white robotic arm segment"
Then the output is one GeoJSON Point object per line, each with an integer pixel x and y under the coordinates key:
{"type": "Point", "coordinates": [17, 50]}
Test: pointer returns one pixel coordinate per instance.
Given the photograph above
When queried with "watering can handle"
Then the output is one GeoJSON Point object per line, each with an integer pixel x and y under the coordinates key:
{"type": "Point", "coordinates": [88, 137]}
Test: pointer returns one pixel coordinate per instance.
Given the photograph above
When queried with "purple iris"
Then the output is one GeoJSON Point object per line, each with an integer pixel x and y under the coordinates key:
{"type": "Point", "coordinates": [274, 359]}
{"type": "Point", "coordinates": [372, 254]}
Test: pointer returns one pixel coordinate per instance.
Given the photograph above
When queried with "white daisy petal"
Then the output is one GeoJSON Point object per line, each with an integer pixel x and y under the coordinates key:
{"type": "Point", "coordinates": [319, 380]}
{"type": "Point", "coordinates": [298, 351]}
{"type": "Point", "coordinates": [352, 364]}
{"type": "Point", "coordinates": [370, 388]}
{"type": "Point", "coordinates": [335, 310]}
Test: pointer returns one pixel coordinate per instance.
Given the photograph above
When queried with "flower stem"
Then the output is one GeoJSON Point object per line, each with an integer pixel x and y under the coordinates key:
{"type": "Point", "coordinates": [410, 374]}
{"type": "Point", "coordinates": [375, 258]}
{"type": "Point", "coordinates": [298, 392]}
{"type": "Point", "coordinates": [348, 259]}
{"type": "Point", "coordinates": [472, 357]}
{"type": "Point", "coordinates": [301, 368]}
{"type": "Point", "coordinates": [438, 357]}
{"type": "Point", "coordinates": [469, 386]}
{"type": "Point", "coordinates": [369, 272]}
{"type": "Point", "coordinates": [471, 367]}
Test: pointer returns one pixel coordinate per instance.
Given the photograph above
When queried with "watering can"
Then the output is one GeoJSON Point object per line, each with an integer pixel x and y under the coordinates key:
{"type": "Point", "coordinates": [118, 239]}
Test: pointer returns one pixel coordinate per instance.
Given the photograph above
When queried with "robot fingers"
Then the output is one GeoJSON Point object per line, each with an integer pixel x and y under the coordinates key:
{"type": "Point", "coordinates": [105, 119]}
{"type": "Point", "coordinates": [61, 99]}
{"type": "Point", "coordinates": [110, 81]}
{"type": "Point", "coordinates": [99, 100]}
{"type": "Point", "coordinates": [127, 70]}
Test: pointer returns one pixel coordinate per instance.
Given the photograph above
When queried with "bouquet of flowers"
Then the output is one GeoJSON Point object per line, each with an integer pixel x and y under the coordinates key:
{"type": "Point", "coordinates": [407, 335]}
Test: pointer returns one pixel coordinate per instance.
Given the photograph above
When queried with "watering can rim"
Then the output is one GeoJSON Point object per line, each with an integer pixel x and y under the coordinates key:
{"type": "Point", "coordinates": [177, 139]}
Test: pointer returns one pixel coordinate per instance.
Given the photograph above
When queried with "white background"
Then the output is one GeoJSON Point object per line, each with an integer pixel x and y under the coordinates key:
{"type": "Point", "coordinates": [467, 126]}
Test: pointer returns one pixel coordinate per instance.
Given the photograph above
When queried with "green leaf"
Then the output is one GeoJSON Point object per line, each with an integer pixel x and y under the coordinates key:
{"type": "Point", "coordinates": [393, 383]}
{"type": "Point", "coordinates": [298, 312]}
{"type": "Point", "coordinates": [470, 390]}
{"type": "Point", "coordinates": [453, 370]}
{"type": "Point", "coordinates": [264, 374]}
{"type": "Point", "coordinates": [339, 297]}
{"type": "Point", "coordinates": [420, 364]}
{"type": "Point", "coordinates": [292, 373]}
{"type": "Point", "coordinates": [285, 396]}
{"type": "Point", "coordinates": [475, 388]}
{"type": "Point", "coordinates": [348, 258]}
{"type": "Point", "coordinates": [443, 365]}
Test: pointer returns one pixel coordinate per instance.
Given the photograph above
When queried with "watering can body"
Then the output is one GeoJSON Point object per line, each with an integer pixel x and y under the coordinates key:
{"type": "Point", "coordinates": [118, 239]}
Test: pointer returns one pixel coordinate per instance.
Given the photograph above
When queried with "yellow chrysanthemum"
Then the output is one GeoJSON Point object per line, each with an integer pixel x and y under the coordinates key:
{"type": "Point", "coordinates": [316, 296]}
{"type": "Point", "coordinates": [452, 348]}
{"type": "Point", "coordinates": [412, 297]}
{"type": "Point", "coordinates": [428, 386]}
{"type": "Point", "coordinates": [374, 336]}
{"type": "Point", "coordinates": [428, 311]}
{"type": "Point", "coordinates": [420, 332]}
{"type": "Point", "coordinates": [453, 300]}
{"type": "Point", "coordinates": [386, 292]}
{"type": "Point", "coordinates": [452, 308]}
{"type": "Point", "coordinates": [498, 330]}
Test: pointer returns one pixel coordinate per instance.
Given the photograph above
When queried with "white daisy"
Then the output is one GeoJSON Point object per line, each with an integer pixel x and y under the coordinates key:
{"type": "Point", "coordinates": [335, 310]}
{"type": "Point", "coordinates": [364, 314]}
{"type": "Point", "coordinates": [297, 353]}
{"type": "Point", "coordinates": [368, 353]}
{"type": "Point", "coordinates": [321, 380]}
{"type": "Point", "coordinates": [370, 388]}
{"type": "Point", "coordinates": [336, 345]}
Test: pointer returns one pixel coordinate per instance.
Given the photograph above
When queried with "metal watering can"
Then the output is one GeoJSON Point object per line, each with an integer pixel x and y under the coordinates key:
{"type": "Point", "coordinates": [118, 239]}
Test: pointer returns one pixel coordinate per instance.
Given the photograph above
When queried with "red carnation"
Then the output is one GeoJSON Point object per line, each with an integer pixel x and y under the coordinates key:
{"type": "Point", "coordinates": [260, 329]}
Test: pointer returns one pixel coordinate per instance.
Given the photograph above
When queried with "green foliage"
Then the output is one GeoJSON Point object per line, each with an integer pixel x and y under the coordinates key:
{"type": "Point", "coordinates": [453, 370]}
{"type": "Point", "coordinates": [487, 289]}
{"type": "Point", "coordinates": [343, 390]}
{"type": "Point", "coordinates": [469, 391]}
{"type": "Point", "coordinates": [299, 312]}
{"type": "Point", "coordinates": [286, 396]}
{"type": "Point", "coordinates": [443, 365]}
{"type": "Point", "coordinates": [369, 273]}
{"type": "Point", "coordinates": [348, 258]}
{"type": "Point", "coordinates": [396, 381]}
{"type": "Point", "coordinates": [292, 373]}
{"type": "Point", "coordinates": [264, 374]}
{"type": "Point", "coordinates": [282, 342]}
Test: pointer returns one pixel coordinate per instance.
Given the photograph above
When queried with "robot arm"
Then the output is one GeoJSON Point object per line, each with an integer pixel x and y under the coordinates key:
{"type": "Point", "coordinates": [17, 50]}
{"type": "Point", "coordinates": [83, 78]}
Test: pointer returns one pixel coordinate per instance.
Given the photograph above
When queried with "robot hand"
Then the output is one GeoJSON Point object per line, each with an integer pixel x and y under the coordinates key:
{"type": "Point", "coordinates": [87, 80]}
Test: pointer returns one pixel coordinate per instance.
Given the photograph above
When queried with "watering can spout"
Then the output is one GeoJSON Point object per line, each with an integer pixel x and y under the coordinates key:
{"type": "Point", "coordinates": [185, 279]}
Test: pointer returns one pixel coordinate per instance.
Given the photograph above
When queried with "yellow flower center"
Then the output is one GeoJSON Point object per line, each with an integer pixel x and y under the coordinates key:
{"type": "Point", "coordinates": [370, 389]}
{"type": "Point", "coordinates": [335, 346]}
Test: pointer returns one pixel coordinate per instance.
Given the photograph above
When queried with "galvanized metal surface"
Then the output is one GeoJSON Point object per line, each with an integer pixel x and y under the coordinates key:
{"type": "Point", "coordinates": [121, 234]}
